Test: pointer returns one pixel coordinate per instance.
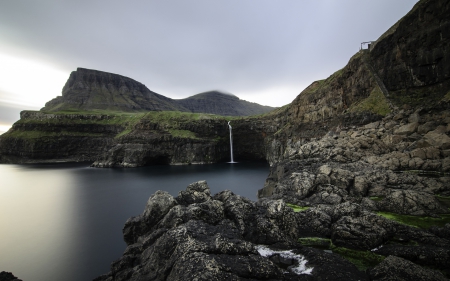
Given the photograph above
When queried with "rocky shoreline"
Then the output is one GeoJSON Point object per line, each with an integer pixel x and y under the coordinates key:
{"type": "Point", "coordinates": [197, 236]}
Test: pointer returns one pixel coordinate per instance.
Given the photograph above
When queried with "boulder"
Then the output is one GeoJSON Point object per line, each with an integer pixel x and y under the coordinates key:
{"type": "Point", "coordinates": [407, 129]}
{"type": "Point", "coordinates": [364, 232]}
{"type": "Point", "coordinates": [436, 139]}
{"type": "Point", "coordinates": [411, 202]}
{"type": "Point", "coordinates": [398, 269]}
{"type": "Point", "coordinates": [196, 192]}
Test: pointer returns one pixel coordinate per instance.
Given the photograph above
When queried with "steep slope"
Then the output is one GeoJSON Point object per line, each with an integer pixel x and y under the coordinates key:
{"type": "Point", "coordinates": [215, 102]}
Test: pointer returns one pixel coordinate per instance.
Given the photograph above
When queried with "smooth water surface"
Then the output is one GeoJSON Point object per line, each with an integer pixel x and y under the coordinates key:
{"type": "Point", "coordinates": [64, 221]}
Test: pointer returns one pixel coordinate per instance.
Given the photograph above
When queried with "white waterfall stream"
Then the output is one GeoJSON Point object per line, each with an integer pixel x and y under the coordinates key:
{"type": "Point", "coordinates": [231, 142]}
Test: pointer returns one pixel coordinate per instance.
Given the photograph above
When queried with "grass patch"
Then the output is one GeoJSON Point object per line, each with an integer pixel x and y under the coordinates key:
{"type": "Point", "coordinates": [41, 134]}
{"type": "Point", "coordinates": [171, 116]}
{"type": "Point", "coordinates": [376, 103]}
{"type": "Point", "coordinates": [183, 134]}
{"type": "Point", "coordinates": [316, 242]}
{"type": "Point", "coordinates": [123, 133]}
{"type": "Point", "coordinates": [416, 221]}
{"type": "Point", "coordinates": [297, 208]}
{"type": "Point", "coordinates": [361, 259]}
{"type": "Point", "coordinates": [376, 198]}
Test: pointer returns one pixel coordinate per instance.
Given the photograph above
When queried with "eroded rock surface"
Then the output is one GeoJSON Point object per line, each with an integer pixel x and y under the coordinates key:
{"type": "Point", "coordinates": [196, 236]}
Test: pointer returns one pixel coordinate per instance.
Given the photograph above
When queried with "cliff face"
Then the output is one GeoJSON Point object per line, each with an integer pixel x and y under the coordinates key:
{"type": "Point", "coordinates": [39, 137]}
{"type": "Point", "coordinates": [412, 58]}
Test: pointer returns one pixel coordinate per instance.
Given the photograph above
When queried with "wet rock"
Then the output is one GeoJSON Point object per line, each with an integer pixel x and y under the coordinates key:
{"type": "Point", "coordinates": [395, 268]}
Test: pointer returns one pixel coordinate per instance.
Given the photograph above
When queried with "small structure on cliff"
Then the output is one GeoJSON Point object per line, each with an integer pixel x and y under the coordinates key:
{"type": "Point", "coordinates": [368, 44]}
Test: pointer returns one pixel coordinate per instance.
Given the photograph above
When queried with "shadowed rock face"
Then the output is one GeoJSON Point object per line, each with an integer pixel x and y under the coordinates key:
{"type": "Point", "coordinates": [413, 54]}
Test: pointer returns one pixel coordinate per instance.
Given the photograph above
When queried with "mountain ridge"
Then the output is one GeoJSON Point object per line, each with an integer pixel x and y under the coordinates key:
{"type": "Point", "coordinates": [89, 89]}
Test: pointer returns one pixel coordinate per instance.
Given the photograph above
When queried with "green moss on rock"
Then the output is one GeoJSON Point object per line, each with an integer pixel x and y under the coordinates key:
{"type": "Point", "coordinates": [417, 221]}
{"type": "Point", "coordinates": [297, 208]}
{"type": "Point", "coordinates": [376, 103]}
{"type": "Point", "coordinates": [315, 242]}
{"type": "Point", "coordinates": [361, 259]}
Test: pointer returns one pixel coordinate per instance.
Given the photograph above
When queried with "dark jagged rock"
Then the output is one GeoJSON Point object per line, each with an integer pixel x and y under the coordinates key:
{"type": "Point", "coordinates": [8, 276]}
{"type": "Point", "coordinates": [223, 237]}
{"type": "Point", "coordinates": [395, 268]}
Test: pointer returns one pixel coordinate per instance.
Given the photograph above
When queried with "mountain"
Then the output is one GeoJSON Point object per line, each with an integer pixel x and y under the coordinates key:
{"type": "Point", "coordinates": [88, 89]}
{"type": "Point", "coordinates": [216, 102]}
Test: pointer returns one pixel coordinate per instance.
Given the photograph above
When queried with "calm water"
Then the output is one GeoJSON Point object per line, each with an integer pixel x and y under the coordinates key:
{"type": "Point", "coordinates": [64, 221]}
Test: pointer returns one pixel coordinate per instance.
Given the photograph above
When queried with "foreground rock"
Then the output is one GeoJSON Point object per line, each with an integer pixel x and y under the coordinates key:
{"type": "Point", "coordinates": [394, 268]}
{"type": "Point", "coordinates": [221, 237]}
{"type": "Point", "coordinates": [196, 236]}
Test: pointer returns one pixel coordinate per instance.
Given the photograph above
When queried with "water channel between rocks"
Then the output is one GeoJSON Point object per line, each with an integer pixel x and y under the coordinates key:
{"type": "Point", "coordinates": [64, 221]}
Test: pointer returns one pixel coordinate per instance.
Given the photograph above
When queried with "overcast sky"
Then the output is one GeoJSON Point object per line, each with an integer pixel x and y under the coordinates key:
{"type": "Point", "coordinates": [264, 51]}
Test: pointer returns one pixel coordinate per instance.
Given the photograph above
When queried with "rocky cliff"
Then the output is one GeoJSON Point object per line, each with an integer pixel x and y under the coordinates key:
{"type": "Point", "coordinates": [358, 187]}
{"type": "Point", "coordinates": [89, 89]}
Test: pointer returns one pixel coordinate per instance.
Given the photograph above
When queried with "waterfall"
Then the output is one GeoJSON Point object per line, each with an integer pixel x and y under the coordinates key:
{"type": "Point", "coordinates": [231, 143]}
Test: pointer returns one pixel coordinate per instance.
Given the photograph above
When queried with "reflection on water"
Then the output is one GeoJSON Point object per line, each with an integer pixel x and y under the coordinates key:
{"type": "Point", "coordinates": [64, 221]}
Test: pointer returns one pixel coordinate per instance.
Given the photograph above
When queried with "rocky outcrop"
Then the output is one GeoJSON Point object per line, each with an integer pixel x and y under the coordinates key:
{"type": "Point", "coordinates": [89, 89]}
{"type": "Point", "coordinates": [220, 237]}
{"type": "Point", "coordinates": [395, 268]}
{"type": "Point", "coordinates": [224, 236]}
{"type": "Point", "coordinates": [8, 276]}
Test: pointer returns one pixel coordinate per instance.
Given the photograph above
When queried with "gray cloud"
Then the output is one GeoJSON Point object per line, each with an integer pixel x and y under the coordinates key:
{"type": "Point", "coordinates": [180, 48]}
